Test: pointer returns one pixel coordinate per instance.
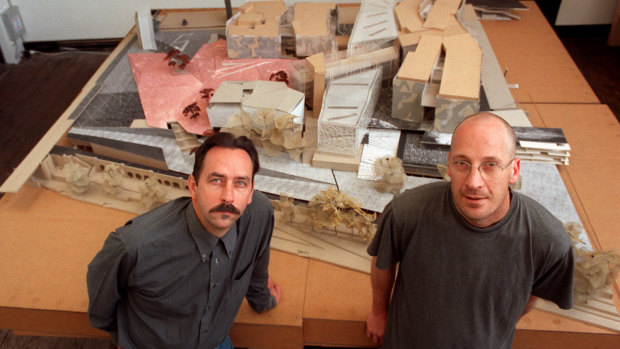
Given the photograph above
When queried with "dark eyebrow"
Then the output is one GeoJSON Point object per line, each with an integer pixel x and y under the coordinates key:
{"type": "Point", "coordinates": [219, 175]}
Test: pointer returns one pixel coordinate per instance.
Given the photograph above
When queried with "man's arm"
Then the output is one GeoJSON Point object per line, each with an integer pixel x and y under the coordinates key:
{"type": "Point", "coordinates": [382, 282]}
{"type": "Point", "coordinates": [531, 303]}
{"type": "Point", "coordinates": [106, 276]}
{"type": "Point", "coordinates": [263, 294]}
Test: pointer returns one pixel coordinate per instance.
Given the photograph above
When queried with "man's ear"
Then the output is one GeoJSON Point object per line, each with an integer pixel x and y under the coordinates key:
{"type": "Point", "coordinates": [191, 186]}
{"type": "Point", "coordinates": [515, 170]}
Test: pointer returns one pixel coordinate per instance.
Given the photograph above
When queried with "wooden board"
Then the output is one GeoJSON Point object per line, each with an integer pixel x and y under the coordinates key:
{"type": "Point", "coordinates": [548, 75]}
{"type": "Point", "coordinates": [280, 327]}
{"type": "Point", "coordinates": [64, 235]}
{"type": "Point", "coordinates": [591, 179]}
{"type": "Point", "coordinates": [336, 306]}
{"type": "Point", "coordinates": [46, 292]}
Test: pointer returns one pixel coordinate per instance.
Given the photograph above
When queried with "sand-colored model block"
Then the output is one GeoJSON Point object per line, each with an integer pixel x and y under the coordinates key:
{"type": "Point", "coordinates": [407, 100]}
{"type": "Point", "coordinates": [314, 25]}
{"type": "Point", "coordinates": [412, 78]}
{"type": "Point", "coordinates": [407, 16]}
{"type": "Point", "coordinates": [459, 92]}
{"type": "Point", "coordinates": [337, 162]}
{"type": "Point", "coordinates": [449, 112]}
{"type": "Point", "coordinates": [439, 16]}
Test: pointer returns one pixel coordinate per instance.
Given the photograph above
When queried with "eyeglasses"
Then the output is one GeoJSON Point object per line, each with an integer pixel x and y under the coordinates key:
{"type": "Point", "coordinates": [488, 170]}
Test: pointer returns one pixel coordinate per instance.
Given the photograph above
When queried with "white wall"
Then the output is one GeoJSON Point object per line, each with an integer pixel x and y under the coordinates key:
{"type": "Point", "coordinates": [586, 12]}
{"type": "Point", "coordinates": [57, 20]}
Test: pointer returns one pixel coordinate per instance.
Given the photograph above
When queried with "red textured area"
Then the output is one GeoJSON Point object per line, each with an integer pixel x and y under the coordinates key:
{"type": "Point", "coordinates": [165, 92]}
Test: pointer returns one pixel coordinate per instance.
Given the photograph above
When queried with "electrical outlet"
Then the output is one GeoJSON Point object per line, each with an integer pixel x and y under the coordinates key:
{"type": "Point", "coordinates": [13, 23]}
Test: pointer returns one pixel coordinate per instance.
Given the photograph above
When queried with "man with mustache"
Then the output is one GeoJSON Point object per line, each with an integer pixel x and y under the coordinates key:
{"type": "Point", "coordinates": [472, 255]}
{"type": "Point", "coordinates": [176, 276]}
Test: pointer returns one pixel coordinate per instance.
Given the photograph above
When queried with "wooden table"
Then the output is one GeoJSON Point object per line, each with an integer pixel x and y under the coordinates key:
{"type": "Point", "coordinates": [48, 239]}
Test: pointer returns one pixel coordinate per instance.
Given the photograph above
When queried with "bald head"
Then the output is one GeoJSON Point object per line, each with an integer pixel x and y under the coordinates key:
{"type": "Point", "coordinates": [495, 124]}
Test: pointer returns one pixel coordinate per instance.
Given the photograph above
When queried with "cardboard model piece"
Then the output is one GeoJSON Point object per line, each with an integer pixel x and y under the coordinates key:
{"type": "Point", "coordinates": [254, 32]}
{"type": "Point", "coordinates": [347, 105]}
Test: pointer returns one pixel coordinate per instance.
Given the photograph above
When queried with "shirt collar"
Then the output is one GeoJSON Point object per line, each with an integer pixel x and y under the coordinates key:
{"type": "Point", "coordinates": [204, 240]}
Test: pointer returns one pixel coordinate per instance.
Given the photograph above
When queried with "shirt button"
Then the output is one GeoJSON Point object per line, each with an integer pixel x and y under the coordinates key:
{"type": "Point", "coordinates": [217, 261]}
{"type": "Point", "coordinates": [204, 332]}
{"type": "Point", "coordinates": [204, 255]}
{"type": "Point", "coordinates": [214, 286]}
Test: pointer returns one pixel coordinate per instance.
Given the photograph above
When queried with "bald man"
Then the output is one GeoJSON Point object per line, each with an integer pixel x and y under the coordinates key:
{"type": "Point", "coordinates": [472, 255]}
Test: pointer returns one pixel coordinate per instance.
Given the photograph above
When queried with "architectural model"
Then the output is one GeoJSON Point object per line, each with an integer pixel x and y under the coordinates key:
{"type": "Point", "coordinates": [254, 32]}
{"type": "Point", "coordinates": [347, 105]}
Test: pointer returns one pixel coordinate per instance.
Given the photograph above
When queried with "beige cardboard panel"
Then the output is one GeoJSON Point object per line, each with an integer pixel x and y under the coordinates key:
{"type": "Point", "coordinates": [419, 64]}
{"type": "Point", "coordinates": [337, 162]}
{"type": "Point", "coordinates": [228, 92]}
{"type": "Point", "coordinates": [462, 67]}
{"type": "Point", "coordinates": [407, 15]}
{"type": "Point", "coordinates": [439, 16]}
{"type": "Point", "coordinates": [549, 75]}
{"type": "Point", "coordinates": [312, 19]}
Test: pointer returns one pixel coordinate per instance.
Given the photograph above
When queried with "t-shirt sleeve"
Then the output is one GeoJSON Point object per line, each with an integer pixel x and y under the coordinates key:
{"type": "Point", "coordinates": [555, 281]}
{"type": "Point", "coordinates": [554, 278]}
{"type": "Point", "coordinates": [385, 244]}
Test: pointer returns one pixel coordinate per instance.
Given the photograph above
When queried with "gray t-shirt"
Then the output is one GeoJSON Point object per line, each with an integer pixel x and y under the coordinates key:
{"type": "Point", "coordinates": [459, 286]}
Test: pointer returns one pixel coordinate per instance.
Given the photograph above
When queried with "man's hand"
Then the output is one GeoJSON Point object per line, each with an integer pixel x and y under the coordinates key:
{"type": "Point", "coordinates": [375, 327]}
{"type": "Point", "coordinates": [276, 290]}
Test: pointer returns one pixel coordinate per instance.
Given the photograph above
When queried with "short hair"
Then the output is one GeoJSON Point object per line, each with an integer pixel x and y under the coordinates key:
{"type": "Point", "coordinates": [225, 140]}
{"type": "Point", "coordinates": [511, 137]}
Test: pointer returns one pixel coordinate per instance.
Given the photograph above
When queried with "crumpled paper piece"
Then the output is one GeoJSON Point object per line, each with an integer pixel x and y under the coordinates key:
{"type": "Point", "coordinates": [113, 178]}
{"type": "Point", "coordinates": [330, 210]}
{"type": "Point", "coordinates": [165, 93]}
{"type": "Point", "coordinates": [595, 271]}
{"type": "Point", "coordinates": [77, 178]}
{"type": "Point", "coordinates": [390, 174]}
{"type": "Point", "coordinates": [152, 193]}
{"type": "Point", "coordinates": [274, 131]}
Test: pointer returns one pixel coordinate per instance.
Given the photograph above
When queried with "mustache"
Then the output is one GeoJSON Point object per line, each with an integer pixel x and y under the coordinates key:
{"type": "Point", "coordinates": [228, 208]}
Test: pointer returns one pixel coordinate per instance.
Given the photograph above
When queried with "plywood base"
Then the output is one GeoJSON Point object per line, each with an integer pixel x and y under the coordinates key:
{"type": "Point", "coordinates": [549, 75]}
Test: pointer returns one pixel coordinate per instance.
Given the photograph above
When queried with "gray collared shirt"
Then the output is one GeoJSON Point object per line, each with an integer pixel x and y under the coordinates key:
{"type": "Point", "coordinates": [163, 281]}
